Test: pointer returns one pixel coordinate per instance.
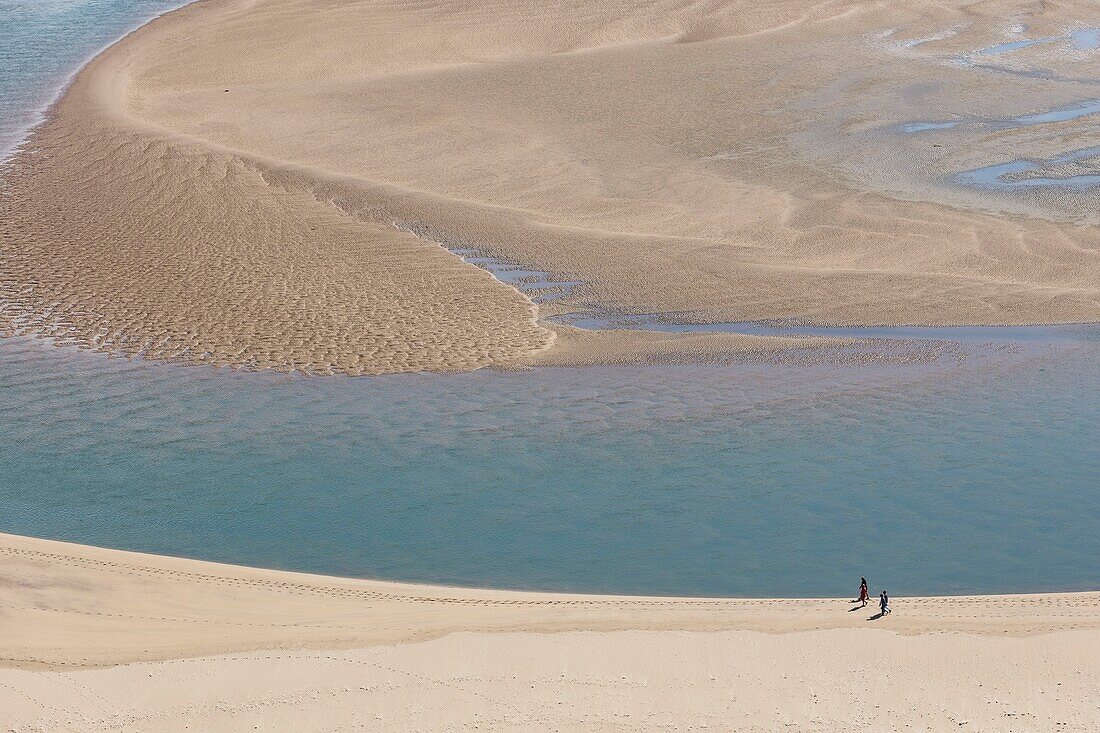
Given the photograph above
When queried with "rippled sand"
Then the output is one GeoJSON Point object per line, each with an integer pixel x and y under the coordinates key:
{"type": "Point", "coordinates": [176, 251]}
{"type": "Point", "coordinates": [223, 185]}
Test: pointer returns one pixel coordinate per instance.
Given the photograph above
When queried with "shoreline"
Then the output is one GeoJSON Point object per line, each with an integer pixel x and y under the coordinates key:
{"type": "Point", "coordinates": [190, 249]}
{"type": "Point", "coordinates": [58, 92]}
{"type": "Point", "coordinates": [581, 595]}
{"type": "Point", "coordinates": [997, 615]}
{"type": "Point", "coordinates": [224, 647]}
{"type": "Point", "coordinates": [491, 323]}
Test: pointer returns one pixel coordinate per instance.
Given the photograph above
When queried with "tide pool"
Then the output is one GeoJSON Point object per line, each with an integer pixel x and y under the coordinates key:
{"type": "Point", "coordinates": [1001, 176]}
{"type": "Point", "coordinates": [1004, 177]}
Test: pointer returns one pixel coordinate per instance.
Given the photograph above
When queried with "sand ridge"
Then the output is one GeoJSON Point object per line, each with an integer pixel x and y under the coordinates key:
{"type": "Point", "coordinates": [220, 646]}
{"type": "Point", "coordinates": [145, 607]}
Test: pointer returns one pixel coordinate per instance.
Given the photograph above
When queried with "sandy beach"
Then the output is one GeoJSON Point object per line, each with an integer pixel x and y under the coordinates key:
{"type": "Point", "coordinates": [106, 640]}
{"type": "Point", "coordinates": [235, 182]}
{"type": "Point", "coordinates": [276, 184]}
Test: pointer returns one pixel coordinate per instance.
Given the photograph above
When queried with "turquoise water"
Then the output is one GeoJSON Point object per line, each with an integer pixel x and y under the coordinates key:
{"type": "Point", "coordinates": [750, 480]}
{"type": "Point", "coordinates": [43, 41]}
{"type": "Point", "coordinates": [739, 480]}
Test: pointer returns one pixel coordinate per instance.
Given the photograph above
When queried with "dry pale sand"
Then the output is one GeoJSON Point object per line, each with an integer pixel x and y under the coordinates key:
{"type": "Point", "coordinates": [105, 640]}
{"type": "Point", "coordinates": [223, 185]}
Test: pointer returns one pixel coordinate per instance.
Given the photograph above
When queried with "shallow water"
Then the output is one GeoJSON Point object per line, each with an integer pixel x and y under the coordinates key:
{"type": "Point", "coordinates": [740, 480]}
{"type": "Point", "coordinates": [43, 41]}
{"type": "Point", "coordinates": [1060, 114]}
{"type": "Point", "coordinates": [926, 126]}
{"type": "Point", "coordinates": [1001, 176]}
{"type": "Point", "coordinates": [1066, 113]}
{"type": "Point", "coordinates": [1078, 39]}
{"type": "Point", "coordinates": [668, 323]}
{"type": "Point", "coordinates": [1009, 46]}
{"type": "Point", "coordinates": [1086, 39]}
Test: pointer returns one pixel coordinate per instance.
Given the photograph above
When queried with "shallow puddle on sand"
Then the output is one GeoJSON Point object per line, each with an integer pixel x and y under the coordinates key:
{"type": "Point", "coordinates": [1009, 46]}
{"type": "Point", "coordinates": [925, 126]}
{"type": "Point", "coordinates": [1061, 114]}
{"type": "Point", "coordinates": [1003, 176]}
{"type": "Point", "coordinates": [1086, 39]}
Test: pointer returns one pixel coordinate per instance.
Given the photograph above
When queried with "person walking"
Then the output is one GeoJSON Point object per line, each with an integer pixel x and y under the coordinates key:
{"type": "Point", "coordinates": [864, 595]}
{"type": "Point", "coordinates": [884, 603]}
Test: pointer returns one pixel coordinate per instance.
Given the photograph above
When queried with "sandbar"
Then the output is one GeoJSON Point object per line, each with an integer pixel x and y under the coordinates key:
{"type": "Point", "coordinates": [236, 182]}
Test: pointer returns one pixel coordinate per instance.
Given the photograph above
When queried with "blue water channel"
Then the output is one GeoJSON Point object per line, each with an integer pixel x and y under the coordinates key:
{"type": "Point", "coordinates": [976, 474]}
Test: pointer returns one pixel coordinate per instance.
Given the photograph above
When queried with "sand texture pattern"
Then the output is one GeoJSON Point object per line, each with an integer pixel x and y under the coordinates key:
{"type": "Point", "coordinates": [175, 252]}
{"type": "Point", "coordinates": [235, 182]}
{"type": "Point", "coordinates": [217, 647]}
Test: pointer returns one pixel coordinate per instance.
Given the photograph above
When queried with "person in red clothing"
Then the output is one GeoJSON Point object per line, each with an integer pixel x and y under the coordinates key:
{"type": "Point", "coordinates": [864, 596]}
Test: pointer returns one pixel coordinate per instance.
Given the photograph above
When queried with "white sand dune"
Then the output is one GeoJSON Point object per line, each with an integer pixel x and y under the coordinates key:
{"type": "Point", "coordinates": [98, 640]}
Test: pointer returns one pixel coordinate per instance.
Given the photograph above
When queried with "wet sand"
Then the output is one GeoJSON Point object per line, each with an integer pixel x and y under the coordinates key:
{"type": "Point", "coordinates": [234, 183]}
{"type": "Point", "coordinates": [217, 647]}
